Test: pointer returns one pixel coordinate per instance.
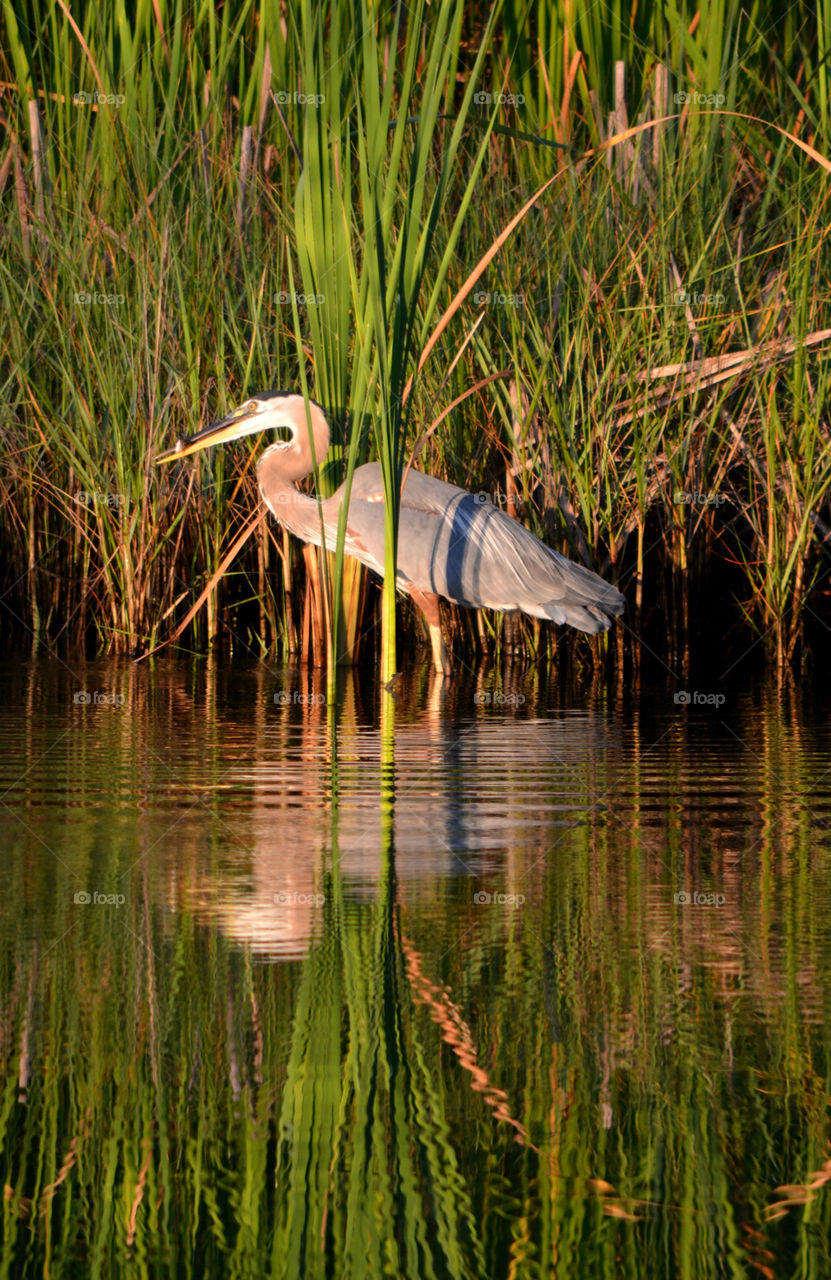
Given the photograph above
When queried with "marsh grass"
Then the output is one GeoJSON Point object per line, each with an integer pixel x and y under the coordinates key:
{"type": "Point", "coordinates": [156, 246]}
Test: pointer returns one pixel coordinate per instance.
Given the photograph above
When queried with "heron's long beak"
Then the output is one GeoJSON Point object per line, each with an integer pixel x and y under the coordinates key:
{"type": "Point", "coordinates": [237, 423]}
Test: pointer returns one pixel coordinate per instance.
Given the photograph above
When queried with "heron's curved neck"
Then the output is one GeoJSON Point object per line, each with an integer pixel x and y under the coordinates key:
{"type": "Point", "coordinates": [282, 465]}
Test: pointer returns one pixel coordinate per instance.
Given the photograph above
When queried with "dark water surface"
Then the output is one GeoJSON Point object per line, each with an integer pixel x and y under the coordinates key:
{"type": "Point", "coordinates": [500, 981]}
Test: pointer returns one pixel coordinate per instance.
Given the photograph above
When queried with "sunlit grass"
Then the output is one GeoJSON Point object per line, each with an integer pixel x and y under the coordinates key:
{"type": "Point", "coordinates": [158, 240]}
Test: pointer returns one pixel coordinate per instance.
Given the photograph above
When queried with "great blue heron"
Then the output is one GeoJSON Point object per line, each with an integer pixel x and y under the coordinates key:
{"type": "Point", "coordinates": [451, 543]}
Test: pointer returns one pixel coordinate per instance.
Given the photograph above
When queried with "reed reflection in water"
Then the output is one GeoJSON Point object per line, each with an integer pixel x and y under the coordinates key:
{"type": "Point", "coordinates": [556, 1005]}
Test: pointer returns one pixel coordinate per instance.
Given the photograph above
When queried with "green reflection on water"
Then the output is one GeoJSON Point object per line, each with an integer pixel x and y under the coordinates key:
{"type": "Point", "coordinates": [577, 1076]}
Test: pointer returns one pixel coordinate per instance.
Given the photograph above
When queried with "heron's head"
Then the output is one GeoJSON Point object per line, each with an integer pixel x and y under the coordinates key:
{"type": "Point", "coordinates": [266, 411]}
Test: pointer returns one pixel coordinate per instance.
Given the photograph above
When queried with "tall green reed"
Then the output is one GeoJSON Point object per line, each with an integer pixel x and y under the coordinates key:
{"type": "Point", "coordinates": [372, 188]}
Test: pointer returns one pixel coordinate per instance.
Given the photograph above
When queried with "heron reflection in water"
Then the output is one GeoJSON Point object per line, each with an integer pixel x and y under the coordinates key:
{"type": "Point", "coordinates": [451, 543]}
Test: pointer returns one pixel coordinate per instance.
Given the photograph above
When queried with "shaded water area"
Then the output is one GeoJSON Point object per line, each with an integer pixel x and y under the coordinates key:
{"type": "Point", "coordinates": [506, 981]}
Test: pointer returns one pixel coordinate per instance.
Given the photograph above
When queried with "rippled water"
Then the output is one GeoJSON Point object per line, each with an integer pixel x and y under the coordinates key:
{"type": "Point", "coordinates": [502, 980]}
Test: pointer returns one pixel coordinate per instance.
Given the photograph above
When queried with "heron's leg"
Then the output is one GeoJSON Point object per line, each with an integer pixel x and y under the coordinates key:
{"type": "Point", "coordinates": [428, 603]}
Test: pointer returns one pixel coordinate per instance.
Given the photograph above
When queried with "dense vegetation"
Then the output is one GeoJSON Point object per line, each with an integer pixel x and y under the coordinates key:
{"type": "Point", "coordinates": [199, 204]}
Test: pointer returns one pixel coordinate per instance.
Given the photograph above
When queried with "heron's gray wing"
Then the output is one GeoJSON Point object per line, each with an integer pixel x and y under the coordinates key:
{"type": "Point", "coordinates": [421, 492]}
{"type": "Point", "coordinates": [423, 509]}
{"type": "Point", "coordinates": [475, 554]}
{"type": "Point", "coordinates": [458, 545]}
{"type": "Point", "coordinates": [366, 523]}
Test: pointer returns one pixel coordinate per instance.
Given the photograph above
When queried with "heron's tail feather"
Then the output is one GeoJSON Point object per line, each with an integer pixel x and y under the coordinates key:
{"type": "Point", "coordinates": [583, 600]}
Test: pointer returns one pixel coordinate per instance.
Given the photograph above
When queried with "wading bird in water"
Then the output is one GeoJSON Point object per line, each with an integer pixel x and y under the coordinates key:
{"type": "Point", "coordinates": [451, 543]}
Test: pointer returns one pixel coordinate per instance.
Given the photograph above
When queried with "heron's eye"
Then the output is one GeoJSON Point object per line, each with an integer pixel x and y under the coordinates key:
{"type": "Point", "coordinates": [253, 405]}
